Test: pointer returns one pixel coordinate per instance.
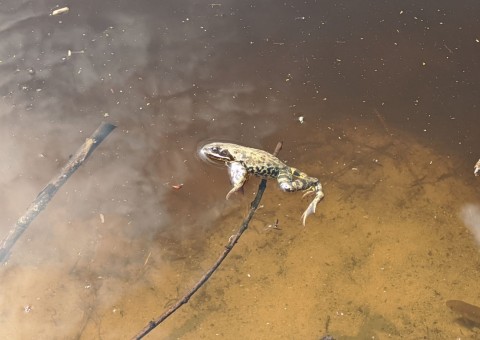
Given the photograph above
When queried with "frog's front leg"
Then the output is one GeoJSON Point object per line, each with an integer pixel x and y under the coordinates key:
{"type": "Point", "coordinates": [238, 176]}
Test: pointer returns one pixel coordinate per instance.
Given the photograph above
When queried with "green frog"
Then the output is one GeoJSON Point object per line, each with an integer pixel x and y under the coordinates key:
{"type": "Point", "coordinates": [243, 161]}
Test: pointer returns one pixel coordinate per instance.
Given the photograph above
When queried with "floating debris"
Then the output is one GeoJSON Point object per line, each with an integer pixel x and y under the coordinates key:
{"type": "Point", "coordinates": [273, 226]}
{"type": "Point", "coordinates": [62, 10]}
{"type": "Point", "coordinates": [177, 186]}
{"type": "Point", "coordinates": [148, 257]}
{"type": "Point", "coordinates": [70, 52]}
{"type": "Point", "coordinates": [382, 121]}
{"type": "Point", "coordinates": [476, 170]}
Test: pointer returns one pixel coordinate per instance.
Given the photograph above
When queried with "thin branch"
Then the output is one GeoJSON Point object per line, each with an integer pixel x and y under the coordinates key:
{"type": "Point", "coordinates": [52, 187]}
{"type": "Point", "coordinates": [231, 243]}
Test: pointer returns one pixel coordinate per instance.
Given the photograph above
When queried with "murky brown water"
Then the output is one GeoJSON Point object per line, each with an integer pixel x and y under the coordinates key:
{"type": "Point", "coordinates": [389, 96]}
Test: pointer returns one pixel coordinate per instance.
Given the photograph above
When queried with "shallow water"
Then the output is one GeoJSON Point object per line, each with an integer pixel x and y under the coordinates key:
{"type": "Point", "coordinates": [388, 95]}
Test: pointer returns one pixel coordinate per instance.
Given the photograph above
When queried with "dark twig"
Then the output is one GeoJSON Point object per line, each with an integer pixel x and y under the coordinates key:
{"type": "Point", "coordinates": [231, 243]}
{"type": "Point", "coordinates": [52, 187]}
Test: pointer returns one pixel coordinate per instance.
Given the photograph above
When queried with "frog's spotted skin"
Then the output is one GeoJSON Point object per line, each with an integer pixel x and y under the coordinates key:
{"type": "Point", "coordinates": [243, 161]}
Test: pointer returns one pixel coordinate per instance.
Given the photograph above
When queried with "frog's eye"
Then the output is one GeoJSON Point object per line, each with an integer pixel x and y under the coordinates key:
{"type": "Point", "coordinates": [218, 151]}
{"type": "Point", "coordinates": [225, 153]}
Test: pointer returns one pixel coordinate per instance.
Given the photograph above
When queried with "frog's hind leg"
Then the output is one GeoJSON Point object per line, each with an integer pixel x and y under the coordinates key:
{"type": "Point", "coordinates": [238, 177]}
{"type": "Point", "coordinates": [302, 181]}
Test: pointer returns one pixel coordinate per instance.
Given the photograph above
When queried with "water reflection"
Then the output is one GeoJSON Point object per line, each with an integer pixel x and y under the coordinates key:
{"type": "Point", "coordinates": [387, 89]}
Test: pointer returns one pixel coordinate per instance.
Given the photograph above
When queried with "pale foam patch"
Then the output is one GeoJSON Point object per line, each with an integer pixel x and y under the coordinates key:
{"type": "Point", "coordinates": [470, 215]}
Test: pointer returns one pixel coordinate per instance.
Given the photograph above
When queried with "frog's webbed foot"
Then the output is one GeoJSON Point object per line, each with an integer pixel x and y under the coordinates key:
{"type": "Point", "coordinates": [317, 189]}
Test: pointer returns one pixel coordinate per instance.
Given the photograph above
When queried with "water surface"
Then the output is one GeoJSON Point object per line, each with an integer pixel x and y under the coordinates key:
{"type": "Point", "coordinates": [388, 95]}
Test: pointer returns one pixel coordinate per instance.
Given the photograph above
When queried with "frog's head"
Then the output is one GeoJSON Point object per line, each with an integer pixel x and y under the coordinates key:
{"type": "Point", "coordinates": [216, 152]}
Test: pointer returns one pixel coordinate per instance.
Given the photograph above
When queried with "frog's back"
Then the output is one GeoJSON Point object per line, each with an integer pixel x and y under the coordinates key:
{"type": "Point", "coordinates": [257, 162]}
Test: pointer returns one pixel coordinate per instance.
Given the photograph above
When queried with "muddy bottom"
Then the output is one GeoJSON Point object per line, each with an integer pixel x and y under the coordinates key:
{"type": "Point", "coordinates": [383, 253]}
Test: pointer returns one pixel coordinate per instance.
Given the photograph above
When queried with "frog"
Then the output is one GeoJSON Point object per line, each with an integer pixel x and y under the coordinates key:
{"type": "Point", "coordinates": [243, 161]}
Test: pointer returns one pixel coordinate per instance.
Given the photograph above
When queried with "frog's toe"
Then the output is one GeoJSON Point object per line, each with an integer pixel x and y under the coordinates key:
{"type": "Point", "coordinates": [308, 192]}
{"type": "Point", "coordinates": [310, 210]}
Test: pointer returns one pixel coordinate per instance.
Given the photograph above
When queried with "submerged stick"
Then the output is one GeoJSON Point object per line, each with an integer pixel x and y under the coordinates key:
{"type": "Point", "coordinates": [382, 121]}
{"type": "Point", "coordinates": [52, 187]}
{"type": "Point", "coordinates": [466, 310]}
{"type": "Point", "coordinates": [231, 243]}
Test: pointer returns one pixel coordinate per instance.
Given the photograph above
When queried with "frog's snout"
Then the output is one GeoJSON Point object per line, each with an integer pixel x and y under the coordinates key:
{"type": "Point", "coordinates": [203, 154]}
